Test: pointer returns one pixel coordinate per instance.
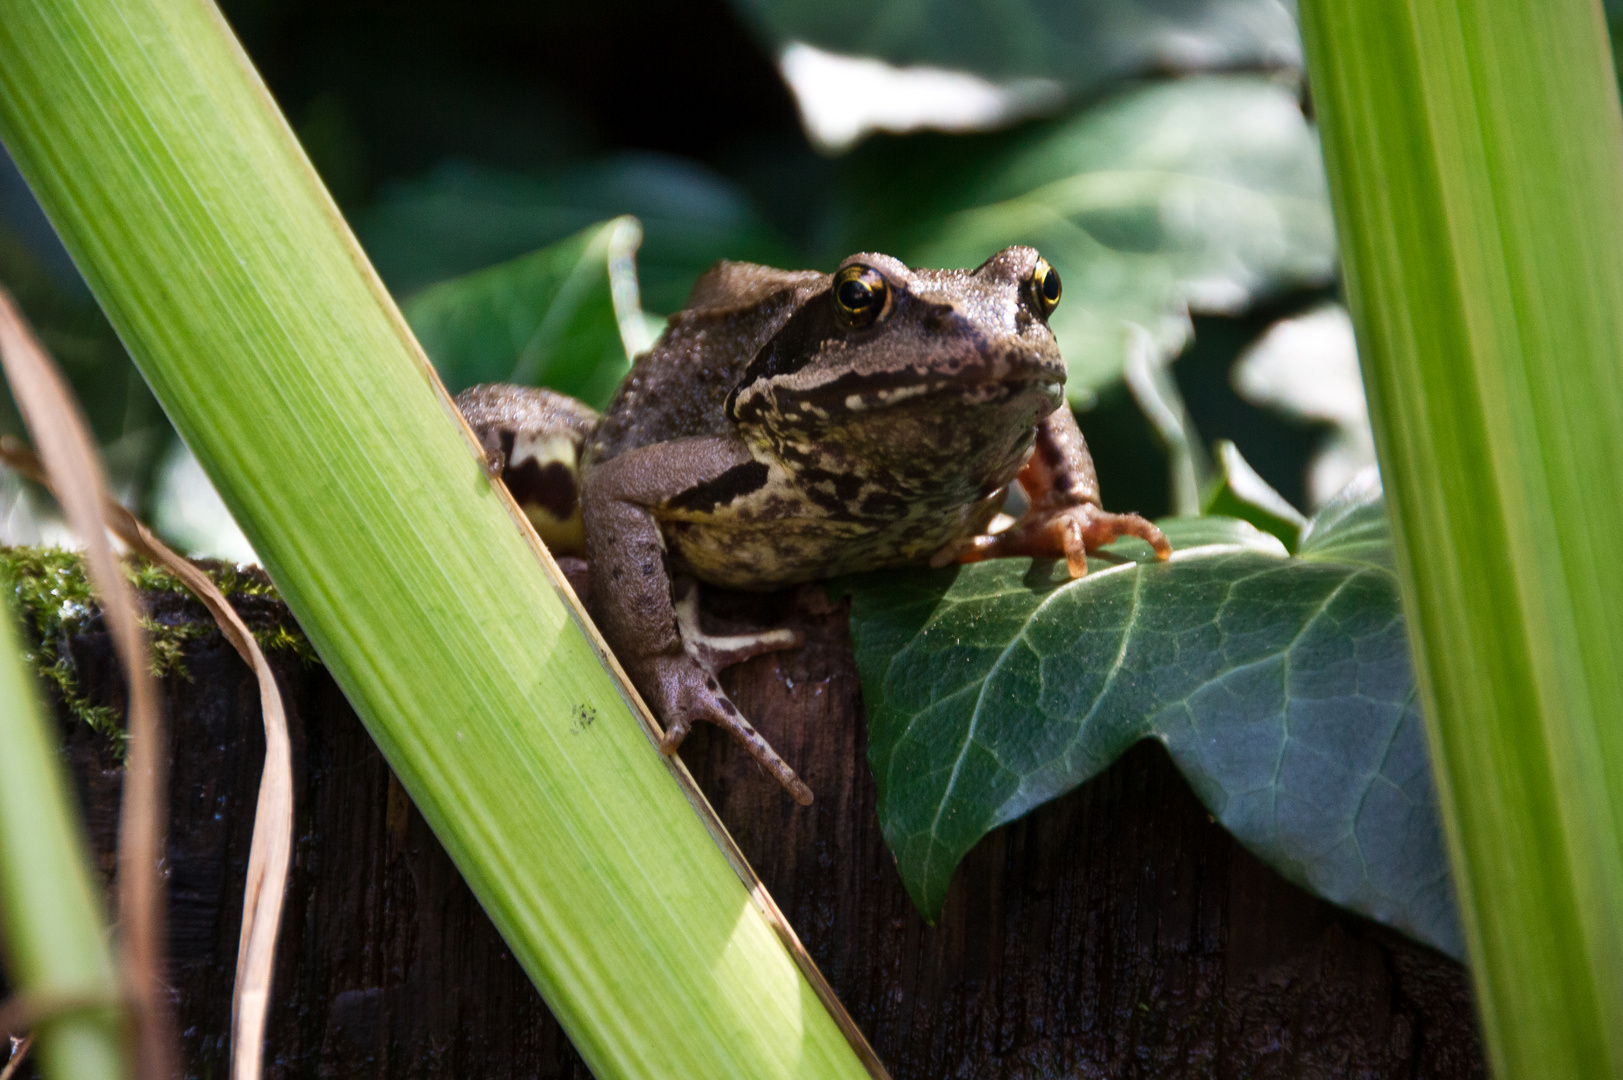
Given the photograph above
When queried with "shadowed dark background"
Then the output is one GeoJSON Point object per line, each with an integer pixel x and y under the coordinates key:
{"type": "Point", "coordinates": [387, 97]}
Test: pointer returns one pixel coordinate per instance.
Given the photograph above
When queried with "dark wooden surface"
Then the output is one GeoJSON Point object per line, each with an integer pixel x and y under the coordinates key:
{"type": "Point", "coordinates": [1117, 932]}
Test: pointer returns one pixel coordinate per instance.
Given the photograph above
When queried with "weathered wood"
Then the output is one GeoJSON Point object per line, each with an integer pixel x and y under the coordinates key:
{"type": "Point", "coordinates": [1117, 932]}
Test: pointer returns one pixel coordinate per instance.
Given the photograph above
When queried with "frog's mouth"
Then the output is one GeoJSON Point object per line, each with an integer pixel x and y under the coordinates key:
{"type": "Point", "coordinates": [852, 393]}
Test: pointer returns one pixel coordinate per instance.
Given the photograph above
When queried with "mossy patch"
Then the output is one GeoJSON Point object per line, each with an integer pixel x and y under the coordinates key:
{"type": "Point", "coordinates": [53, 598]}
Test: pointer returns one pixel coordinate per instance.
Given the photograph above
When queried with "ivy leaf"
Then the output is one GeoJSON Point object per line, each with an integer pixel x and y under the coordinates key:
{"type": "Point", "coordinates": [565, 317]}
{"type": "Point", "coordinates": [1202, 193]}
{"type": "Point", "coordinates": [1281, 687]}
{"type": "Point", "coordinates": [1352, 527]}
{"type": "Point", "coordinates": [1239, 492]}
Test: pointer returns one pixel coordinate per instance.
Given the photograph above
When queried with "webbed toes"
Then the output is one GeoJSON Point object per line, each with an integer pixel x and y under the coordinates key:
{"type": "Point", "coordinates": [691, 694]}
{"type": "Point", "coordinates": [1100, 527]}
{"type": "Point", "coordinates": [1069, 533]}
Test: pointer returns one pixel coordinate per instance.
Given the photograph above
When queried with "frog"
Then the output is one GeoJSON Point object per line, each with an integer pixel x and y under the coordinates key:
{"type": "Point", "coordinates": [790, 426]}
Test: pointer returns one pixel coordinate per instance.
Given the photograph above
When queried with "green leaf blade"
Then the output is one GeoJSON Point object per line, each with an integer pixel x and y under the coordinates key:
{"type": "Point", "coordinates": [559, 317]}
{"type": "Point", "coordinates": [262, 330]}
{"type": "Point", "coordinates": [53, 926]}
{"type": "Point", "coordinates": [1473, 152]}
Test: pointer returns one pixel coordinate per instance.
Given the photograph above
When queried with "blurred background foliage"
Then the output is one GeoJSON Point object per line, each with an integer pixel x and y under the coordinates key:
{"type": "Point", "coordinates": [1159, 152]}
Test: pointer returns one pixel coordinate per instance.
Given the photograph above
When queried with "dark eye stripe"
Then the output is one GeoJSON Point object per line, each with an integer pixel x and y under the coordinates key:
{"type": "Point", "coordinates": [794, 346]}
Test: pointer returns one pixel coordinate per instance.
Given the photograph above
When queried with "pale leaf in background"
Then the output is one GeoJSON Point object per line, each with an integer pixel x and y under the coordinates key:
{"type": "Point", "coordinates": [1307, 367]}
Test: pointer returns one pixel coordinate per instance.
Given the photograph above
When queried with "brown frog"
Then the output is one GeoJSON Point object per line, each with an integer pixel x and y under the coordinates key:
{"type": "Point", "coordinates": [790, 426]}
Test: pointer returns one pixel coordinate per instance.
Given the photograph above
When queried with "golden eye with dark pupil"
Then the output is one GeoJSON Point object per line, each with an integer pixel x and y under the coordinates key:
{"type": "Point", "coordinates": [860, 295]}
{"type": "Point", "coordinates": [1045, 286]}
{"type": "Point", "coordinates": [854, 295]}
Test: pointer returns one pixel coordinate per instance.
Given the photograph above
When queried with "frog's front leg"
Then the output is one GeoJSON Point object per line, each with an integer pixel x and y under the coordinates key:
{"type": "Point", "coordinates": [1066, 518]}
{"type": "Point", "coordinates": [653, 629]}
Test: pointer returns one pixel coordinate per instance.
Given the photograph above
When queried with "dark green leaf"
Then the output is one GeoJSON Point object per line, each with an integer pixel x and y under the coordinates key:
{"type": "Point", "coordinates": [1202, 192]}
{"type": "Point", "coordinates": [565, 317]}
{"type": "Point", "coordinates": [1280, 686]}
{"type": "Point", "coordinates": [1352, 527]}
{"type": "Point", "coordinates": [1078, 43]}
{"type": "Point", "coordinates": [1149, 379]}
{"type": "Point", "coordinates": [462, 218]}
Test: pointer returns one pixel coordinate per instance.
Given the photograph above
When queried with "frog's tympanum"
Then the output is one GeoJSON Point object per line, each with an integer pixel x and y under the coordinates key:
{"type": "Point", "coordinates": [791, 426]}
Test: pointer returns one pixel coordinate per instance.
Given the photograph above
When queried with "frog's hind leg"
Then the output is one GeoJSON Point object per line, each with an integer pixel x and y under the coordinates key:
{"type": "Point", "coordinates": [1066, 519]}
{"type": "Point", "coordinates": [532, 439]}
{"type": "Point", "coordinates": [651, 621]}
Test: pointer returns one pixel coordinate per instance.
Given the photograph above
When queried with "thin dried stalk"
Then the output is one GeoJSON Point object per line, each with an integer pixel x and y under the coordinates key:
{"type": "Point", "coordinates": [19, 1051]}
{"type": "Point", "coordinates": [272, 846]}
{"type": "Point", "coordinates": [60, 432]}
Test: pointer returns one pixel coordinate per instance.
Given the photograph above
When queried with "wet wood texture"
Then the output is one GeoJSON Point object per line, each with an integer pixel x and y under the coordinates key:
{"type": "Point", "coordinates": [1117, 932]}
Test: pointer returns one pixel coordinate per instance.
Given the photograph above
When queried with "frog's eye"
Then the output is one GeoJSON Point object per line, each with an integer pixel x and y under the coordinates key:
{"type": "Point", "coordinates": [861, 296]}
{"type": "Point", "coordinates": [1045, 287]}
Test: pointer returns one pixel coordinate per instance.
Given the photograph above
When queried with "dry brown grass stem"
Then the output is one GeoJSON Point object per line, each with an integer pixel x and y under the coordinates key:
{"type": "Point", "coordinates": [65, 448]}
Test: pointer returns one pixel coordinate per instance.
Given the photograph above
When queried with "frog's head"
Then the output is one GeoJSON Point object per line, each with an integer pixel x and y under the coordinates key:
{"type": "Point", "coordinates": [918, 373]}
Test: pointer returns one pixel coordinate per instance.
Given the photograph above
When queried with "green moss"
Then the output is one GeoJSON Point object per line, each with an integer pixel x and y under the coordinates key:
{"type": "Point", "coordinates": [51, 594]}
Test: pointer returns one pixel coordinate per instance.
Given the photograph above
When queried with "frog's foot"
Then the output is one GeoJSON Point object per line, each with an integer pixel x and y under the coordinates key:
{"type": "Point", "coordinates": [688, 690]}
{"type": "Point", "coordinates": [1069, 532]}
{"type": "Point", "coordinates": [686, 694]}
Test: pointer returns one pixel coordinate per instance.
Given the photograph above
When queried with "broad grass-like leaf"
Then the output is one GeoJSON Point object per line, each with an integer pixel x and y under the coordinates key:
{"type": "Point", "coordinates": [462, 218]}
{"type": "Point", "coordinates": [1281, 687]}
{"type": "Point", "coordinates": [565, 317]}
{"type": "Point", "coordinates": [1202, 192]}
{"type": "Point", "coordinates": [1079, 43]}
{"type": "Point", "coordinates": [52, 922]}
{"type": "Point", "coordinates": [1476, 163]}
{"type": "Point", "coordinates": [228, 272]}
